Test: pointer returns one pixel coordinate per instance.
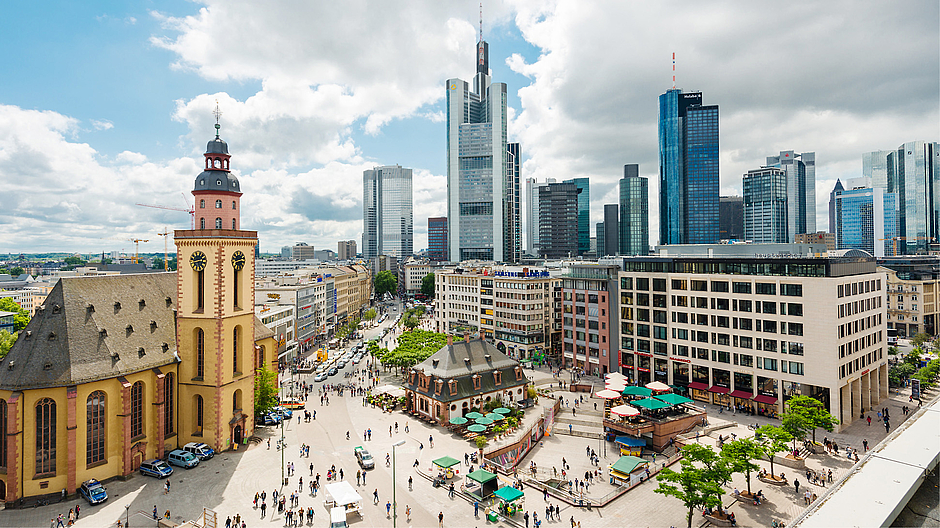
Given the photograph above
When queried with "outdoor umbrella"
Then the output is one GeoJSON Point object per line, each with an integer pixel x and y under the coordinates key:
{"type": "Point", "coordinates": [658, 386]}
{"type": "Point", "coordinates": [495, 416]}
{"type": "Point", "coordinates": [502, 410]}
{"type": "Point", "coordinates": [476, 428]}
{"type": "Point", "coordinates": [607, 394]}
{"type": "Point", "coordinates": [483, 420]}
{"type": "Point", "coordinates": [625, 410]}
{"type": "Point", "coordinates": [615, 375]}
{"type": "Point", "coordinates": [673, 399]}
{"type": "Point", "coordinates": [615, 384]}
{"type": "Point", "coordinates": [458, 420]}
{"type": "Point", "coordinates": [473, 415]}
{"type": "Point", "coordinates": [636, 391]}
{"type": "Point", "coordinates": [650, 403]}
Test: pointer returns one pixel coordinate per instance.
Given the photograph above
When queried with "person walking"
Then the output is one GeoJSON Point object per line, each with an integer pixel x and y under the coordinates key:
{"type": "Point", "coordinates": [440, 520]}
{"type": "Point", "coordinates": [388, 509]}
{"type": "Point", "coordinates": [476, 508]}
{"type": "Point", "coordinates": [796, 484]}
{"type": "Point", "coordinates": [526, 518]}
{"type": "Point", "coordinates": [410, 487]}
{"type": "Point", "coordinates": [264, 506]}
{"type": "Point", "coordinates": [407, 513]}
{"type": "Point", "coordinates": [375, 496]}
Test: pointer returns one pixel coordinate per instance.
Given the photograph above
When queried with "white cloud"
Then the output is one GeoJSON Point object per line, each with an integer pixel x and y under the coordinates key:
{"type": "Point", "coordinates": [102, 124]}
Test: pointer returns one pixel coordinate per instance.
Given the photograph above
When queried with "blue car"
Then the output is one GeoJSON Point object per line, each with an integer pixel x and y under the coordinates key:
{"type": "Point", "coordinates": [93, 492]}
{"type": "Point", "coordinates": [156, 468]}
{"type": "Point", "coordinates": [270, 418]}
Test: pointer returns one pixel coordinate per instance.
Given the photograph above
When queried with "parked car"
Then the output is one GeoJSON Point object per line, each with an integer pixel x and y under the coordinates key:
{"type": "Point", "coordinates": [290, 403]}
{"type": "Point", "coordinates": [269, 418]}
{"type": "Point", "coordinates": [155, 468]}
{"type": "Point", "coordinates": [183, 459]}
{"type": "Point", "coordinates": [93, 492]}
{"type": "Point", "coordinates": [364, 457]}
{"type": "Point", "coordinates": [285, 413]}
{"type": "Point", "coordinates": [201, 450]}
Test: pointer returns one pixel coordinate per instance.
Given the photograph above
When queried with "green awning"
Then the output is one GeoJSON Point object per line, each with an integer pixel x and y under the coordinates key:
{"type": "Point", "coordinates": [636, 391]}
{"type": "Point", "coordinates": [446, 462]}
{"type": "Point", "coordinates": [458, 420]}
{"type": "Point", "coordinates": [473, 415]}
{"type": "Point", "coordinates": [627, 464]}
{"type": "Point", "coordinates": [502, 410]}
{"type": "Point", "coordinates": [508, 493]}
{"type": "Point", "coordinates": [673, 399]}
{"type": "Point", "coordinates": [476, 428]}
{"type": "Point", "coordinates": [481, 476]}
{"type": "Point", "coordinates": [483, 421]}
{"type": "Point", "coordinates": [650, 403]}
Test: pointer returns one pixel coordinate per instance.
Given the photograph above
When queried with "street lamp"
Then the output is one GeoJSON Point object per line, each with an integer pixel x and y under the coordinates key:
{"type": "Point", "coordinates": [395, 485]}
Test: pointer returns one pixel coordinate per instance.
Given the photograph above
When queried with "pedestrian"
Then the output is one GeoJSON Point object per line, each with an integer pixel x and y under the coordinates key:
{"type": "Point", "coordinates": [450, 490]}
{"type": "Point", "coordinates": [865, 445]}
{"type": "Point", "coordinates": [869, 421]}
{"type": "Point", "coordinates": [431, 443]}
{"type": "Point", "coordinates": [526, 517]}
{"type": "Point", "coordinates": [358, 476]}
{"type": "Point", "coordinates": [375, 496]}
{"type": "Point", "coordinates": [796, 484]}
{"type": "Point", "coordinates": [476, 508]}
{"type": "Point", "coordinates": [59, 521]}
{"type": "Point", "coordinates": [440, 520]}
{"type": "Point", "coordinates": [166, 487]}
{"type": "Point", "coordinates": [388, 509]}
{"type": "Point", "coordinates": [410, 487]}
{"type": "Point", "coordinates": [78, 510]}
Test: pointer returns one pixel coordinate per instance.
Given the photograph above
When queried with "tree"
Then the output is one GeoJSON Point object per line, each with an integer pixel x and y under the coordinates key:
{"type": "Point", "coordinates": [698, 483]}
{"type": "Point", "coordinates": [16, 271]}
{"type": "Point", "coordinates": [920, 339]}
{"type": "Point", "coordinates": [893, 351]}
{"type": "Point", "coordinates": [21, 317]}
{"type": "Point", "coordinates": [813, 412]}
{"type": "Point", "coordinates": [411, 322]}
{"type": "Point", "coordinates": [774, 440]}
{"type": "Point", "coordinates": [370, 314]}
{"type": "Point", "coordinates": [427, 285]}
{"type": "Point", "coordinates": [6, 342]}
{"type": "Point", "coordinates": [265, 390]}
{"type": "Point", "coordinates": [157, 263]}
{"type": "Point", "coordinates": [73, 262]}
{"type": "Point", "coordinates": [385, 282]}
{"type": "Point", "coordinates": [897, 374]}
{"type": "Point", "coordinates": [740, 454]}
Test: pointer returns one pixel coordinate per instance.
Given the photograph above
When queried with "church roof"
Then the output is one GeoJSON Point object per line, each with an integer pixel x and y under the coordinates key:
{"type": "Point", "coordinates": [261, 331]}
{"type": "Point", "coordinates": [216, 181]}
{"type": "Point", "coordinates": [94, 328]}
{"type": "Point", "coordinates": [217, 146]}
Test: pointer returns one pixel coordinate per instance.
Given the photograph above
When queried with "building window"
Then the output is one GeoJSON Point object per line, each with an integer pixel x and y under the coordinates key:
{"type": "Point", "coordinates": [202, 223]}
{"type": "Point", "coordinates": [95, 424]}
{"type": "Point", "coordinates": [233, 205]}
{"type": "Point", "coordinates": [202, 204]}
{"type": "Point", "coordinates": [169, 397]}
{"type": "Point", "coordinates": [218, 204]}
{"type": "Point", "coordinates": [233, 223]}
{"type": "Point", "coordinates": [261, 356]}
{"type": "Point", "coordinates": [197, 415]}
{"type": "Point", "coordinates": [237, 401]}
{"type": "Point", "coordinates": [137, 409]}
{"type": "Point", "coordinates": [200, 353]}
{"type": "Point", "coordinates": [45, 436]}
{"type": "Point", "coordinates": [218, 223]}
{"type": "Point", "coordinates": [235, 335]}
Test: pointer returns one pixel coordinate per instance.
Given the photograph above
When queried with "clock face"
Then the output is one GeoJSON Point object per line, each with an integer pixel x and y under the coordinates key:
{"type": "Point", "coordinates": [198, 260]}
{"type": "Point", "coordinates": [238, 260]}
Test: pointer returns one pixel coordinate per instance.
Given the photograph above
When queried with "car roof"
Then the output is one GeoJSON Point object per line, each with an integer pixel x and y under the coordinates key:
{"type": "Point", "coordinates": [91, 482]}
{"type": "Point", "coordinates": [195, 444]}
{"type": "Point", "coordinates": [153, 461]}
{"type": "Point", "coordinates": [180, 452]}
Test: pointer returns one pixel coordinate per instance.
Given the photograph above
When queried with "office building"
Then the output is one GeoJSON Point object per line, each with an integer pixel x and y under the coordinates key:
{"type": "Point", "coordinates": [532, 214]}
{"type": "Point", "coordinates": [302, 251]}
{"type": "Point", "coordinates": [832, 205]}
{"type": "Point", "coordinates": [731, 218]}
{"type": "Point", "coordinates": [608, 236]}
{"type": "Point", "coordinates": [387, 212]}
{"type": "Point", "coordinates": [412, 272]}
{"type": "Point", "coordinates": [688, 169]}
{"type": "Point", "coordinates": [346, 249]}
{"type": "Point", "coordinates": [819, 237]}
{"type": "Point", "coordinates": [558, 221]}
{"type": "Point", "coordinates": [589, 308]}
{"type": "Point", "coordinates": [634, 212]}
{"type": "Point", "coordinates": [437, 238]}
{"type": "Point", "coordinates": [801, 190]}
{"type": "Point", "coordinates": [597, 241]}
{"type": "Point", "coordinates": [482, 213]}
{"type": "Point", "coordinates": [512, 236]}
{"type": "Point", "coordinates": [866, 219]}
{"type": "Point", "coordinates": [584, 213]}
{"type": "Point", "coordinates": [765, 206]}
{"type": "Point", "coordinates": [756, 331]}
{"type": "Point", "coordinates": [913, 284]}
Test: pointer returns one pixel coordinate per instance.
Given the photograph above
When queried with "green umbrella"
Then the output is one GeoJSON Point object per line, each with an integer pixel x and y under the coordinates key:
{"type": "Point", "coordinates": [673, 399]}
{"type": "Point", "coordinates": [458, 420]}
{"type": "Point", "coordinates": [495, 416]}
{"type": "Point", "coordinates": [636, 391]}
{"type": "Point", "coordinates": [473, 415]}
{"type": "Point", "coordinates": [476, 428]}
{"type": "Point", "coordinates": [483, 421]}
{"type": "Point", "coordinates": [650, 403]}
{"type": "Point", "coordinates": [502, 410]}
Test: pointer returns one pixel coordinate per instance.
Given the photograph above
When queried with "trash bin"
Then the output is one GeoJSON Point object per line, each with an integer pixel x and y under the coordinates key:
{"type": "Point", "coordinates": [491, 516]}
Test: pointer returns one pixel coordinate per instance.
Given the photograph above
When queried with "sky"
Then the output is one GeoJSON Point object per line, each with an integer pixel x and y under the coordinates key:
{"type": "Point", "coordinates": [108, 104]}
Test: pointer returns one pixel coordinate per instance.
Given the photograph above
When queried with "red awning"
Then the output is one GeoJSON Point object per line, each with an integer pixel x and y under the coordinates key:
{"type": "Point", "coordinates": [760, 398]}
{"type": "Point", "coordinates": [719, 390]}
{"type": "Point", "coordinates": [699, 386]}
{"type": "Point", "coordinates": [741, 394]}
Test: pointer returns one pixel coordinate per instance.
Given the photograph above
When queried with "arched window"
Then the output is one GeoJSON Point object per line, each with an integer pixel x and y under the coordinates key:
{"type": "Point", "coordinates": [3, 433]}
{"type": "Point", "coordinates": [261, 356]}
{"type": "Point", "coordinates": [94, 424]}
{"type": "Point", "coordinates": [197, 415]}
{"type": "Point", "coordinates": [200, 353]}
{"type": "Point", "coordinates": [217, 163]}
{"type": "Point", "coordinates": [218, 204]}
{"type": "Point", "coordinates": [45, 436]}
{"type": "Point", "coordinates": [137, 409]}
{"type": "Point", "coordinates": [218, 223]}
{"type": "Point", "coordinates": [237, 401]}
{"type": "Point", "coordinates": [233, 204]}
{"type": "Point", "coordinates": [202, 223]}
{"type": "Point", "coordinates": [236, 335]}
{"type": "Point", "coordinates": [169, 405]}
{"type": "Point", "coordinates": [233, 223]}
{"type": "Point", "coordinates": [202, 204]}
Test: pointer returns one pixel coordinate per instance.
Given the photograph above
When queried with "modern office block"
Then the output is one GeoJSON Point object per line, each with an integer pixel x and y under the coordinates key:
{"type": "Point", "coordinates": [608, 242]}
{"type": "Point", "coordinates": [731, 217]}
{"type": "Point", "coordinates": [801, 190]}
{"type": "Point", "coordinates": [765, 206]}
{"type": "Point", "coordinates": [867, 220]}
{"type": "Point", "coordinates": [558, 220]}
{"type": "Point", "coordinates": [688, 169]}
{"type": "Point", "coordinates": [584, 214]}
{"type": "Point", "coordinates": [634, 212]}
{"type": "Point", "coordinates": [346, 249]}
{"type": "Point", "coordinates": [600, 248]}
{"type": "Point", "coordinates": [532, 214]}
{"type": "Point", "coordinates": [437, 238]}
{"type": "Point", "coordinates": [833, 225]}
{"type": "Point", "coordinates": [387, 212]}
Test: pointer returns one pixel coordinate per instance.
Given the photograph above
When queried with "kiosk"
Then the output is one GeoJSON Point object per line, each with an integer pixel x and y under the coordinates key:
{"type": "Point", "coordinates": [343, 495]}
{"type": "Point", "coordinates": [445, 466]}
{"type": "Point", "coordinates": [481, 484]}
{"type": "Point", "coordinates": [511, 500]}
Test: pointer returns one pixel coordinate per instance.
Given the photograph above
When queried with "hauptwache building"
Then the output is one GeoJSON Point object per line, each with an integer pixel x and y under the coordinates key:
{"type": "Point", "coordinates": [116, 370]}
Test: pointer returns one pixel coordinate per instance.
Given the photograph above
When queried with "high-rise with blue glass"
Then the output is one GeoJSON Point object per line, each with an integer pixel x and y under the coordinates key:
{"type": "Point", "coordinates": [584, 213]}
{"type": "Point", "coordinates": [688, 169]}
{"type": "Point", "coordinates": [867, 219]}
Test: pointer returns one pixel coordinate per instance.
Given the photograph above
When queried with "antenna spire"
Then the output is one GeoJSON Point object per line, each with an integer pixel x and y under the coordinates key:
{"type": "Point", "coordinates": [481, 21]}
{"type": "Point", "coordinates": [673, 70]}
{"type": "Point", "coordinates": [218, 114]}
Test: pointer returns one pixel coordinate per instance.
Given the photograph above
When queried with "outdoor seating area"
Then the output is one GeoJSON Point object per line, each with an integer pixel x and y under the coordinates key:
{"type": "Point", "coordinates": [387, 397]}
{"type": "Point", "coordinates": [637, 405]}
{"type": "Point", "coordinates": [497, 420]}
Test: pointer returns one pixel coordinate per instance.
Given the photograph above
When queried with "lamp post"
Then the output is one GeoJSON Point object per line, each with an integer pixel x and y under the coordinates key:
{"type": "Point", "coordinates": [395, 485]}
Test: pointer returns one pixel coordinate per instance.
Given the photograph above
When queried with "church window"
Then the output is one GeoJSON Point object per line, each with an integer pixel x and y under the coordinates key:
{"type": "Point", "coordinates": [202, 204]}
{"type": "Point", "coordinates": [95, 423]}
{"type": "Point", "coordinates": [137, 409]}
{"type": "Point", "coordinates": [3, 432]}
{"type": "Point", "coordinates": [261, 356]}
{"type": "Point", "coordinates": [45, 436]}
{"type": "Point", "coordinates": [202, 223]}
{"type": "Point", "coordinates": [237, 401]}
{"type": "Point", "coordinates": [218, 182]}
{"type": "Point", "coordinates": [197, 415]}
{"type": "Point", "coordinates": [235, 338]}
{"type": "Point", "coordinates": [218, 204]}
{"type": "Point", "coordinates": [200, 352]}
{"type": "Point", "coordinates": [218, 223]}
{"type": "Point", "coordinates": [169, 386]}
{"type": "Point", "coordinates": [200, 290]}
{"type": "Point", "coordinates": [233, 204]}
{"type": "Point", "coordinates": [233, 223]}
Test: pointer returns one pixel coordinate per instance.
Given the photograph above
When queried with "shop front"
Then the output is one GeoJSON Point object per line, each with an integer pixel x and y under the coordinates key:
{"type": "Point", "coordinates": [721, 387]}
{"type": "Point", "coordinates": [699, 385]}
{"type": "Point", "coordinates": [743, 392]}
{"type": "Point", "coordinates": [661, 370]}
{"type": "Point", "coordinates": [766, 398]}
{"type": "Point", "coordinates": [644, 375]}
{"type": "Point", "coordinates": [627, 365]}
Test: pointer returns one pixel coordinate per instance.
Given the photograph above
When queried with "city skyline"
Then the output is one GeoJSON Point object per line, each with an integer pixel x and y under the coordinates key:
{"type": "Point", "coordinates": [130, 122]}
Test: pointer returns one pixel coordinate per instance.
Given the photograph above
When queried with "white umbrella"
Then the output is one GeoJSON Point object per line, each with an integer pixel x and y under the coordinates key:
{"type": "Point", "coordinates": [625, 410]}
{"type": "Point", "coordinates": [658, 386]}
{"type": "Point", "coordinates": [607, 394]}
{"type": "Point", "coordinates": [616, 385]}
{"type": "Point", "coordinates": [615, 376]}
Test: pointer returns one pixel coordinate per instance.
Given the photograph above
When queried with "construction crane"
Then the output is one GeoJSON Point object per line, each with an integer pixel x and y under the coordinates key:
{"type": "Point", "coordinates": [191, 211]}
{"type": "Point", "coordinates": [894, 241]}
{"type": "Point", "coordinates": [166, 262]}
{"type": "Point", "coordinates": [136, 242]}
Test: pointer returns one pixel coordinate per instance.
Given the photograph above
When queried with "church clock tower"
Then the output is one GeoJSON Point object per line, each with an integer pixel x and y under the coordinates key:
{"type": "Point", "coordinates": [215, 298]}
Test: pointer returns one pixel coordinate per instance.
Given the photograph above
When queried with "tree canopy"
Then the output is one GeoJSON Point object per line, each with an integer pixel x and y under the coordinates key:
{"type": "Point", "coordinates": [265, 390]}
{"type": "Point", "coordinates": [369, 314]}
{"type": "Point", "coordinates": [813, 414]}
{"type": "Point", "coordinates": [385, 282]}
{"type": "Point", "coordinates": [427, 285]}
{"type": "Point", "coordinates": [774, 439]}
{"type": "Point", "coordinates": [6, 342]}
{"type": "Point", "coordinates": [740, 455]}
{"type": "Point", "coordinates": [698, 482]}
{"type": "Point", "coordinates": [413, 347]}
{"type": "Point", "coordinates": [21, 319]}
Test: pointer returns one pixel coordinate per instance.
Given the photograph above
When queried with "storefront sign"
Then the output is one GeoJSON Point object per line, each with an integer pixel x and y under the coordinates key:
{"type": "Point", "coordinates": [682, 360]}
{"type": "Point", "coordinates": [644, 355]}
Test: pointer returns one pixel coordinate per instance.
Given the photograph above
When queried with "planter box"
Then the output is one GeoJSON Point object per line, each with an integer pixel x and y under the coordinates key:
{"type": "Point", "coordinates": [798, 463]}
{"type": "Point", "coordinates": [772, 482]}
{"type": "Point", "coordinates": [718, 521]}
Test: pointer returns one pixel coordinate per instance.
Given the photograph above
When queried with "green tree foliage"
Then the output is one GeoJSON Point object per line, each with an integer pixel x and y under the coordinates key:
{"type": "Point", "coordinates": [413, 347]}
{"type": "Point", "coordinates": [813, 412]}
{"type": "Point", "coordinates": [928, 374]}
{"type": "Point", "coordinates": [73, 262]}
{"type": "Point", "coordinates": [774, 439]}
{"type": "Point", "coordinates": [172, 265]}
{"type": "Point", "coordinates": [893, 351]}
{"type": "Point", "coordinates": [740, 455]}
{"type": "Point", "coordinates": [6, 342]}
{"type": "Point", "coordinates": [385, 282]}
{"type": "Point", "coordinates": [157, 263]}
{"type": "Point", "coordinates": [913, 358]}
{"type": "Point", "coordinates": [920, 339]}
{"type": "Point", "coordinates": [698, 482]}
{"type": "Point", "coordinates": [21, 319]}
{"type": "Point", "coordinates": [427, 285]}
{"type": "Point", "coordinates": [369, 315]}
{"type": "Point", "coordinates": [899, 373]}
{"type": "Point", "coordinates": [410, 322]}
{"type": "Point", "coordinates": [15, 271]}
{"type": "Point", "coordinates": [265, 390]}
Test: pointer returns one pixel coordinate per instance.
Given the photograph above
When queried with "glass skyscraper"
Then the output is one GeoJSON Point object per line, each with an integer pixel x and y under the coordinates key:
{"type": "Point", "coordinates": [558, 220]}
{"type": "Point", "coordinates": [801, 190]}
{"type": "Point", "coordinates": [584, 214]}
{"type": "Point", "coordinates": [482, 170]}
{"type": "Point", "coordinates": [866, 219]}
{"type": "Point", "coordinates": [688, 169]}
{"type": "Point", "coordinates": [634, 212]}
{"type": "Point", "coordinates": [765, 206]}
{"type": "Point", "coordinates": [387, 212]}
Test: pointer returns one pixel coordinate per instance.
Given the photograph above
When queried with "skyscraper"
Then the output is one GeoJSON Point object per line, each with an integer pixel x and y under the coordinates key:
{"type": "Point", "coordinates": [482, 169]}
{"type": "Point", "coordinates": [801, 190]}
{"type": "Point", "coordinates": [608, 238]}
{"type": "Point", "coordinates": [437, 238]}
{"type": "Point", "coordinates": [584, 213]}
{"type": "Point", "coordinates": [558, 220]}
{"type": "Point", "coordinates": [688, 169]}
{"type": "Point", "coordinates": [866, 219]}
{"type": "Point", "coordinates": [731, 217]}
{"type": "Point", "coordinates": [765, 206]}
{"type": "Point", "coordinates": [634, 212]}
{"type": "Point", "coordinates": [346, 249]}
{"type": "Point", "coordinates": [532, 214]}
{"type": "Point", "coordinates": [387, 212]}
{"type": "Point", "coordinates": [600, 248]}
{"type": "Point", "coordinates": [833, 224]}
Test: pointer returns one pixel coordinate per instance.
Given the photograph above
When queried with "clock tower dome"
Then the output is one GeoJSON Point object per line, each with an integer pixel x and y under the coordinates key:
{"type": "Point", "coordinates": [215, 299]}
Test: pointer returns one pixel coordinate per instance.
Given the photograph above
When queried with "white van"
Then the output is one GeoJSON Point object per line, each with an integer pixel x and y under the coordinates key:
{"type": "Point", "coordinates": [338, 517]}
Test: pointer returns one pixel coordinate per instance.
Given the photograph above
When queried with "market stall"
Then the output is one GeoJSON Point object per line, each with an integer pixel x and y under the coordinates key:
{"type": "Point", "coordinates": [445, 466]}
{"type": "Point", "coordinates": [343, 495]}
{"type": "Point", "coordinates": [630, 446]}
{"type": "Point", "coordinates": [627, 470]}
{"type": "Point", "coordinates": [510, 501]}
{"type": "Point", "coordinates": [481, 484]}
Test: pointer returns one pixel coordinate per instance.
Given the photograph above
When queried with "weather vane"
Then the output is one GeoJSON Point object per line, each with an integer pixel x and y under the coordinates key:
{"type": "Point", "coordinates": [217, 113]}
